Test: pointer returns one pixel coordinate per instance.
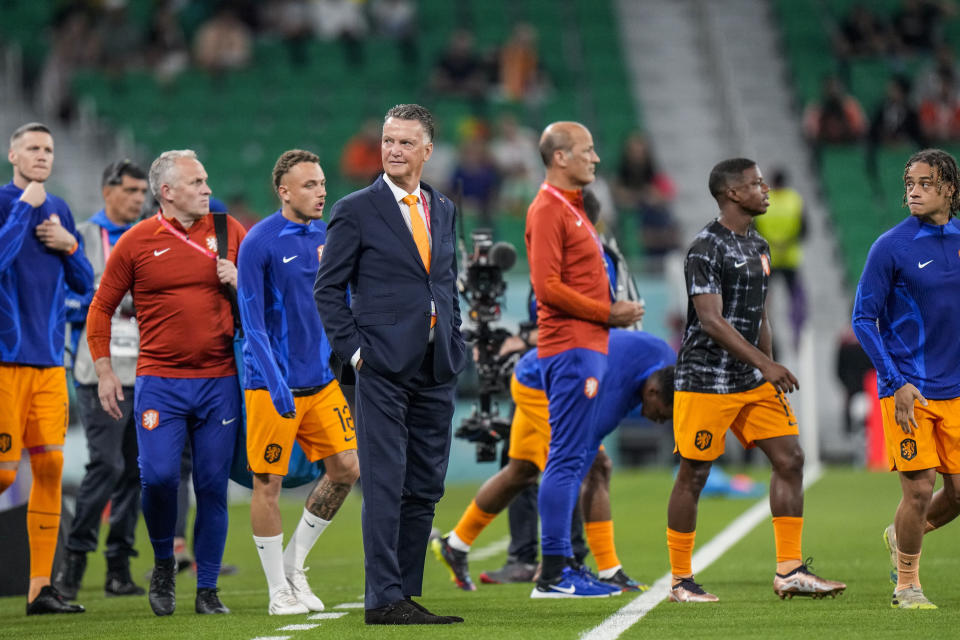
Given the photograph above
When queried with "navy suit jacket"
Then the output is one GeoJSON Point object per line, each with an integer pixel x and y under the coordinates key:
{"type": "Point", "coordinates": [370, 248]}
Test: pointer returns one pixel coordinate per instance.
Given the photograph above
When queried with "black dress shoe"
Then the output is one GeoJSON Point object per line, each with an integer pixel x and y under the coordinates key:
{"type": "Point", "coordinates": [119, 582]}
{"type": "Point", "coordinates": [70, 574]}
{"type": "Point", "coordinates": [50, 601]}
{"type": "Point", "coordinates": [163, 587]}
{"type": "Point", "coordinates": [425, 610]}
{"type": "Point", "coordinates": [208, 602]}
{"type": "Point", "coordinates": [403, 612]}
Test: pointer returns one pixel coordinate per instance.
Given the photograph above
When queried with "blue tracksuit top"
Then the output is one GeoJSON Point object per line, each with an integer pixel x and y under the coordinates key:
{"type": "Point", "coordinates": [631, 357]}
{"type": "Point", "coordinates": [286, 346]}
{"type": "Point", "coordinates": [33, 279]}
{"type": "Point", "coordinates": [907, 307]}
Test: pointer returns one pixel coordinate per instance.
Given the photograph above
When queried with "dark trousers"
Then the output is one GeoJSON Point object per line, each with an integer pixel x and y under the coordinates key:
{"type": "Point", "coordinates": [524, 534]}
{"type": "Point", "coordinates": [111, 475]}
{"type": "Point", "coordinates": [403, 445]}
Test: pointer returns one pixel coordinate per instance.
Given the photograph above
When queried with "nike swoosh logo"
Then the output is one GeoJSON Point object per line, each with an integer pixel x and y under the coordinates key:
{"type": "Point", "coordinates": [348, 439]}
{"type": "Point", "coordinates": [923, 264]}
{"type": "Point", "coordinates": [579, 223]}
{"type": "Point", "coordinates": [570, 590]}
{"type": "Point", "coordinates": [259, 546]}
{"type": "Point", "coordinates": [225, 422]}
{"type": "Point", "coordinates": [312, 526]}
{"type": "Point", "coordinates": [160, 252]}
{"type": "Point", "coordinates": [45, 527]}
{"type": "Point", "coordinates": [286, 259]}
{"type": "Point", "coordinates": [740, 264]}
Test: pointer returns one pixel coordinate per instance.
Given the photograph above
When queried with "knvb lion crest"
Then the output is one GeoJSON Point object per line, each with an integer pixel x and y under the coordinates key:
{"type": "Point", "coordinates": [212, 243]}
{"type": "Point", "coordinates": [908, 448]}
{"type": "Point", "coordinates": [590, 387]}
{"type": "Point", "coordinates": [703, 439]}
{"type": "Point", "coordinates": [6, 441]}
{"type": "Point", "coordinates": [272, 453]}
{"type": "Point", "coordinates": [150, 419]}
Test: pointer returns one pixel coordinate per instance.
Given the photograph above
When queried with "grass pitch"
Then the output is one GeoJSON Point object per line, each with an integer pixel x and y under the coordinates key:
{"type": "Point", "coordinates": [846, 512]}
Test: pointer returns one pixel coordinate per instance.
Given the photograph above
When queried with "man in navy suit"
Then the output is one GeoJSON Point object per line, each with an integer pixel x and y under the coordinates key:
{"type": "Point", "coordinates": [392, 243]}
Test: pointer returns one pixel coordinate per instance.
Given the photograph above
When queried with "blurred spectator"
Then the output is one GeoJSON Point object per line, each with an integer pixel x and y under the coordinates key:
{"type": "Point", "coordinates": [75, 44]}
{"type": "Point", "coordinates": [238, 207]}
{"type": "Point", "coordinates": [223, 42]}
{"type": "Point", "coordinates": [290, 20]}
{"type": "Point", "coordinates": [896, 120]}
{"type": "Point", "coordinates": [837, 117]}
{"type": "Point", "coordinates": [460, 71]}
{"type": "Point", "coordinates": [516, 155]}
{"type": "Point", "coordinates": [167, 52]}
{"type": "Point", "coordinates": [931, 75]}
{"type": "Point", "coordinates": [341, 20]}
{"type": "Point", "coordinates": [121, 42]}
{"type": "Point", "coordinates": [519, 72]}
{"type": "Point", "coordinates": [852, 365]}
{"type": "Point", "coordinates": [397, 20]}
{"type": "Point", "coordinates": [862, 33]}
{"type": "Point", "coordinates": [360, 160]}
{"type": "Point", "coordinates": [476, 174]}
{"type": "Point", "coordinates": [940, 114]}
{"type": "Point", "coordinates": [642, 190]}
{"type": "Point", "coordinates": [916, 26]}
{"type": "Point", "coordinates": [784, 227]}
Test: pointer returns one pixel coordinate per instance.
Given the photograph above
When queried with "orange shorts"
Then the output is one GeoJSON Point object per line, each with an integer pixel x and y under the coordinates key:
{"type": "Point", "coordinates": [530, 429]}
{"type": "Point", "coordinates": [935, 445]}
{"type": "Point", "coordinates": [33, 408]}
{"type": "Point", "coordinates": [323, 426]}
{"type": "Point", "coordinates": [701, 420]}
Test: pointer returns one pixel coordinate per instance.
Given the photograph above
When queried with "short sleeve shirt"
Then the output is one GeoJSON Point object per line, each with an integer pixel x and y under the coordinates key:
{"type": "Point", "coordinates": [737, 268]}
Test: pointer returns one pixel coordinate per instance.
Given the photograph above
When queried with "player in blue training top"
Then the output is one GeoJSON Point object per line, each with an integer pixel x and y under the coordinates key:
{"type": "Point", "coordinates": [290, 391]}
{"type": "Point", "coordinates": [38, 257]}
{"type": "Point", "coordinates": [643, 380]}
{"type": "Point", "coordinates": [904, 316]}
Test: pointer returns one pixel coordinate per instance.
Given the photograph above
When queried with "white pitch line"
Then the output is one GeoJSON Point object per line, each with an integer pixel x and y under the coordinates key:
{"type": "Point", "coordinates": [349, 605]}
{"type": "Point", "coordinates": [640, 606]}
{"type": "Point", "coordinates": [327, 615]}
{"type": "Point", "coordinates": [491, 549]}
{"type": "Point", "coordinates": [272, 638]}
{"type": "Point", "coordinates": [298, 627]}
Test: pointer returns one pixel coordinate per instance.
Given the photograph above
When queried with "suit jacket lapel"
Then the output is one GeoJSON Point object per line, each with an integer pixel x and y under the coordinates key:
{"type": "Point", "coordinates": [438, 207]}
{"type": "Point", "coordinates": [390, 212]}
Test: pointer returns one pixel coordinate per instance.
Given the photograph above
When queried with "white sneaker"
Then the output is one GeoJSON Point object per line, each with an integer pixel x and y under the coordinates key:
{"type": "Point", "coordinates": [284, 603]}
{"type": "Point", "coordinates": [301, 590]}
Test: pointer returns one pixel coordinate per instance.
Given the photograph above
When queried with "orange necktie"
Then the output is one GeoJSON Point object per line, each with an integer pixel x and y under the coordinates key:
{"type": "Point", "coordinates": [420, 237]}
{"type": "Point", "coordinates": [419, 230]}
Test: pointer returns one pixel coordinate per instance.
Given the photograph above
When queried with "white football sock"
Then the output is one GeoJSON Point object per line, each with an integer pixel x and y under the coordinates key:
{"type": "Point", "coordinates": [454, 541]}
{"type": "Point", "coordinates": [609, 573]}
{"type": "Point", "coordinates": [308, 530]}
{"type": "Point", "coordinates": [271, 557]}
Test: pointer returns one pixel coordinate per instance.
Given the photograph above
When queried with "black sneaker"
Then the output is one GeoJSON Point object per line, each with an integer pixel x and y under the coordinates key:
{"type": "Point", "coordinates": [70, 575]}
{"type": "Point", "coordinates": [163, 587]}
{"type": "Point", "coordinates": [512, 571]}
{"type": "Point", "coordinates": [49, 600]}
{"type": "Point", "coordinates": [208, 602]}
{"type": "Point", "coordinates": [456, 562]}
{"type": "Point", "coordinates": [625, 582]}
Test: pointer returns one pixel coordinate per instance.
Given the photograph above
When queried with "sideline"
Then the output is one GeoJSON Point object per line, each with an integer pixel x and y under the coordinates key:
{"type": "Point", "coordinates": [640, 606]}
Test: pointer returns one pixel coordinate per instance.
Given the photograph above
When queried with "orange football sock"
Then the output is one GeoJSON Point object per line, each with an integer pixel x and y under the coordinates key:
{"type": "Point", "coordinates": [43, 511]}
{"type": "Point", "coordinates": [600, 540]}
{"type": "Point", "coordinates": [787, 534]}
{"type": "Point", "coordinates": [680, 546]}
{"type": "Point", "coordinates": [472, 522]}
{"type": "Point", "coordinates": [908, 570]}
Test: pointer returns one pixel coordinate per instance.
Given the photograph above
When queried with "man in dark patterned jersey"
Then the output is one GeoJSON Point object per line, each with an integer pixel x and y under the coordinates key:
{"type": "Point", "coordinates": [726, 378]}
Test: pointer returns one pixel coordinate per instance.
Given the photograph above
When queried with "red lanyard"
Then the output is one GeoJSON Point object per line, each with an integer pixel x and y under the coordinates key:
{"type": "Point", "coordinates": [105, 237]}
{"type": "Point", "coordinates": [169, 227]}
